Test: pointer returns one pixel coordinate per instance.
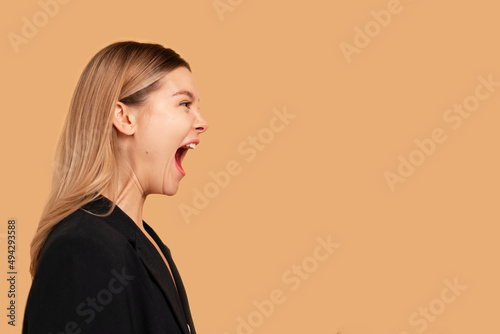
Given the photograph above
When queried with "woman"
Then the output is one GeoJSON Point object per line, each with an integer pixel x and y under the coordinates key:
{"type": "Point", "coordinates": [97, 267]}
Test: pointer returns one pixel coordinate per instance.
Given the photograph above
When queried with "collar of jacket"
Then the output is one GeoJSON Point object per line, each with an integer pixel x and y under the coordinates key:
{"type": "Point", "coordinates": [122, 223]}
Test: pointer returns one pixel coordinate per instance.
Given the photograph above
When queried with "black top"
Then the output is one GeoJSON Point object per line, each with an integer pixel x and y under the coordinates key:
{"type": "Point", "coordinates": [103, 275]}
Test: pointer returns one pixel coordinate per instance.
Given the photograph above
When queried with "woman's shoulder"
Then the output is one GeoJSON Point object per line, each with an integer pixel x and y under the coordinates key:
{"type": "Point", "coordinates": [82, 253]}
{"type": "Point", "coordinates": [83, 225]}
{"type": "Point", "coordinates": [84, 234]}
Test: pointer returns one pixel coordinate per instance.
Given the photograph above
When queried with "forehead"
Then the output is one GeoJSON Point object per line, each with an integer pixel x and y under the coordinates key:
{"type": "Point", "coordinates": [178, 83]}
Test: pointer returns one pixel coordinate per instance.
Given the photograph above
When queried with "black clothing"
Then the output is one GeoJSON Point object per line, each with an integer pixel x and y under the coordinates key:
{"type": "Point", "coordinates": [103, 275]}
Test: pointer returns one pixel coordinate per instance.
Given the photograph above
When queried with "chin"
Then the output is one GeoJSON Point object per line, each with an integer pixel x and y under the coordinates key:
{"type": "Point", "coordinates": [170, 193]}
{"type": "Point", "coordinates": [170, 189]}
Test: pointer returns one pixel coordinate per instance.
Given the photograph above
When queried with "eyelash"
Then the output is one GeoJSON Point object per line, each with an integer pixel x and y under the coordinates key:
{"type": "Point", "coordinates": [186, 104]}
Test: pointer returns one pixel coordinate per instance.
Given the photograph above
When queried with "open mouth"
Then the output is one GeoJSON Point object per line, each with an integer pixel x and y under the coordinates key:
{"type": "Point", "coordinates": [181, 153]}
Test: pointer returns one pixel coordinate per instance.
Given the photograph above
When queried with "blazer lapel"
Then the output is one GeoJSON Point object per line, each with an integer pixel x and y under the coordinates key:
{"type": "Point", "coordinates": [178, 281]}
{"type": "Point", "coordinates": [160, 274]}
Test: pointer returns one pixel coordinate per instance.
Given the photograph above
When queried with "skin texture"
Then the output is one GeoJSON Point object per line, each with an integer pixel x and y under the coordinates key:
{"type": "Point", "coordinates": [148, 138]}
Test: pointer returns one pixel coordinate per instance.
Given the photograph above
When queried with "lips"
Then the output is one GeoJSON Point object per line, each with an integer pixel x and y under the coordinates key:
{"type": "Point", "coordinates": [181, 153]}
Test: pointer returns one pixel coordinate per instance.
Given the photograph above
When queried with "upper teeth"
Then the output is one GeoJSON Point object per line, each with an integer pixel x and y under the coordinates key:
{"type": "Point", "coordinates": [192, 145]}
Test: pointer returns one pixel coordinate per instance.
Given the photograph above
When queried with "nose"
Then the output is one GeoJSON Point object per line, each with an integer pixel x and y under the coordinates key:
{"type": "Point", "coordinates": [201, 125]}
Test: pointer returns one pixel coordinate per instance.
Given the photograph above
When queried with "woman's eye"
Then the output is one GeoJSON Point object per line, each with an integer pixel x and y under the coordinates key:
{"type": "Point", "coordinates": [186, 104]}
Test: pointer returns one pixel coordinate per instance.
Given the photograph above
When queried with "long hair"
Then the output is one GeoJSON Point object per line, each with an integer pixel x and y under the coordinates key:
{"type": "Point", "coordinates": [85, 162]}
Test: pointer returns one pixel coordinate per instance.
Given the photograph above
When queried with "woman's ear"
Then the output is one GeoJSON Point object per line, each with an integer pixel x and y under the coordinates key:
{"type": "Point", "coordinates": [124, 119]}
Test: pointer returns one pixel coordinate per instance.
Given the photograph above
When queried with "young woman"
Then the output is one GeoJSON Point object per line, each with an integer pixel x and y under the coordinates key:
{"type": "Point", "coordinates": [97, 266]}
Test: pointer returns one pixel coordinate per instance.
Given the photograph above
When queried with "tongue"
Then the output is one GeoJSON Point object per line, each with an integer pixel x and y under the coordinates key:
{"type": "Point", "coordinates": [178, 162]}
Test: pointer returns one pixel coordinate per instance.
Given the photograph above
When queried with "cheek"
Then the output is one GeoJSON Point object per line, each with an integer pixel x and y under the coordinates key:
{"type": "Point", "coordinates": [156, 138]}
{"type": "Point", "coordinates": [159, 138]}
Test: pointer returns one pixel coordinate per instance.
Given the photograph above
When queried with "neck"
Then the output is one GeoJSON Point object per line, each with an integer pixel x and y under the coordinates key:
{"type": "Point", "coordinates": [130, 198]}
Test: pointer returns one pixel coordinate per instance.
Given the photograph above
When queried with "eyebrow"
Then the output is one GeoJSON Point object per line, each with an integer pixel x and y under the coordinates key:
{"type": "Point", "coordinates": [185, 92]}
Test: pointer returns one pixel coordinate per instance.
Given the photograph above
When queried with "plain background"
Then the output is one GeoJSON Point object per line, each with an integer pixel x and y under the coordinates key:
{"type": "Point", "coordinates": [322, 175]}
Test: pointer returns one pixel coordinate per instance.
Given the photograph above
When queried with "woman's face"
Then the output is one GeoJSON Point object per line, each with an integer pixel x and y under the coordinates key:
{"type": "Point", "coordinates": [169, 120]}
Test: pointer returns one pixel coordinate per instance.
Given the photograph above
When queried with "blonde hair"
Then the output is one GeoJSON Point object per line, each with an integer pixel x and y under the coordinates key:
{"type": "Point", "coordinates": [85, 162]}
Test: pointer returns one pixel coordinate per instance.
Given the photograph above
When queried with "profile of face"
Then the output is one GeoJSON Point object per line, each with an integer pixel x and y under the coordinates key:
{"type": "Point", "coordinates": [154, 138]}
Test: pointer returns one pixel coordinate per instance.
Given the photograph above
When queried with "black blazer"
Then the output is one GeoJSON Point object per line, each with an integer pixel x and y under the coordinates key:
{"type": "Point", "coordinates": [103, 275]}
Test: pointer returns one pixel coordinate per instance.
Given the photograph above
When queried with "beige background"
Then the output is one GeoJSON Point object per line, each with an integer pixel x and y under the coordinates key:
{"type": "Point", "coordinates": [322, 175]}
